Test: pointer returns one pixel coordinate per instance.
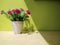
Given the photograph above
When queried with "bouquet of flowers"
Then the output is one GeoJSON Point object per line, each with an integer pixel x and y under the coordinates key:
{"type": "Point", "coordinates": [17, 14]}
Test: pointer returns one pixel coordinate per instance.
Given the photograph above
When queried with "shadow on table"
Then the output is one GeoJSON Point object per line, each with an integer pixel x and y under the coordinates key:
{"type": "Point", "coordinates": [52, 37]}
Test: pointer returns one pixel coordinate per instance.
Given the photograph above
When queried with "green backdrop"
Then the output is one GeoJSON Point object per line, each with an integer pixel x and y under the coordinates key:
{"type": "Point", "coordinates": [45, 13]}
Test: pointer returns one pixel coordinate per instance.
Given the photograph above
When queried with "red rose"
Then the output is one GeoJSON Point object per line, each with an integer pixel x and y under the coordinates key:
{"type": "Point", "coordinates": [9, 12]}
{"type": "Point", "coordinates": [17, 11]}
{"type": "Point", "coordinates": [28, 11]}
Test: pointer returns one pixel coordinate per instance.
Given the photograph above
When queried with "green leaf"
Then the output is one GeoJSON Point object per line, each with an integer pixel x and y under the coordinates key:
{"type": "Point", "coordinates": [6, 14]}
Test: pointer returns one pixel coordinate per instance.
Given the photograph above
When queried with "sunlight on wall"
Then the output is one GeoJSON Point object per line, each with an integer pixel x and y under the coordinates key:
{"type": "Point", "coordinates": [5, 24]}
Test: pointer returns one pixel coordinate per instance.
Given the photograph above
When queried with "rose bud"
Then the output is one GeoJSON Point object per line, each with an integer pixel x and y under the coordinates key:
{"type": "Point", "coordinates": [2, 12]}
{"type": "Point", "coordinates": [21, 9]}
{"type": "Point", "coordinates": [28, 11]}
{"type": "Point", "coordinates": [9, 12]}
{"type": "Point", "coordinates": [27, 15]}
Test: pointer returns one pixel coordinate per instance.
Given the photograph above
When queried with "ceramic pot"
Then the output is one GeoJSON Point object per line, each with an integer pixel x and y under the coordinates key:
{"type": "Point", "coordinates": [17, 26]}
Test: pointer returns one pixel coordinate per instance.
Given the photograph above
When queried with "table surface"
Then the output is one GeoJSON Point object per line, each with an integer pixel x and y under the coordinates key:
{"type": "Point", "coordinates": [9, 38]}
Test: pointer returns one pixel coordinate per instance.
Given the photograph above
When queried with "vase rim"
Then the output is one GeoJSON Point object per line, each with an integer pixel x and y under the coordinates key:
{"type": "Point", "coordinates": [17, 21]}
{"type": "Point", "coordinates": [12, 21]}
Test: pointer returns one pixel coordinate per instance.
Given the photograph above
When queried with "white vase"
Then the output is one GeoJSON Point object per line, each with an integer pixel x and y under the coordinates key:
{"type": "Point", "coordinates": [17, 26]}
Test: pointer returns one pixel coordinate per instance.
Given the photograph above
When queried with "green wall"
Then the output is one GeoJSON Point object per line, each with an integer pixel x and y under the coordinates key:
{"type": "Point", "coordinates": [46, 14]}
